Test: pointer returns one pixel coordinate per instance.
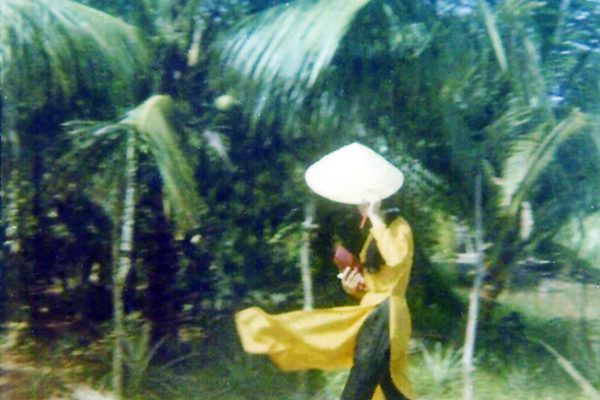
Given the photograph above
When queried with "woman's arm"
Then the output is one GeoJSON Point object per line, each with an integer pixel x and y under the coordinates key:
{"type": "Point", "coordinates": [394, 242]}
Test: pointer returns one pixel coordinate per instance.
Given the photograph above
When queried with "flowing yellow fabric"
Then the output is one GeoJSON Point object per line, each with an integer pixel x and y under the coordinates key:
{"type": "Point", "coordinates": [325, 338]}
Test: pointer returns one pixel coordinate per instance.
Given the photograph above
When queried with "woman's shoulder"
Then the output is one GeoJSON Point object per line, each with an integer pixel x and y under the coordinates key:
{"type": "Point", "coordinates": [400, 229]}
{"type": "Point", "coordinates": [399, 223]}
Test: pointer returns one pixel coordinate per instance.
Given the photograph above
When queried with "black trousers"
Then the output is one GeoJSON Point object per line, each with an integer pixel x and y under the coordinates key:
{"type": "Point", "coordinates": [372, 359]}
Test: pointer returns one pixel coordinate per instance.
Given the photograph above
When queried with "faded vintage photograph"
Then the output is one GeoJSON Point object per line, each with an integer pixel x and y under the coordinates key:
{"type": "Point", "coordinates": [300, 200]}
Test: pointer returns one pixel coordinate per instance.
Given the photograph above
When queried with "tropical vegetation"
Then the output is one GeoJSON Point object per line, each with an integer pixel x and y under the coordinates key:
{"type": "Point", "coordinates": [152, 184]}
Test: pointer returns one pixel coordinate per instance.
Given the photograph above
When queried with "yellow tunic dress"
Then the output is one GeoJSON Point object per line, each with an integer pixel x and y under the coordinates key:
{"type": "Point", "coordinates": [325, 338]}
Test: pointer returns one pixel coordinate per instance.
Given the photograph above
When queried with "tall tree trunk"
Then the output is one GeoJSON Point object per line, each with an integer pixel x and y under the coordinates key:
{"type": "Point", "coordinates": [474, 298]}
{"type": "Point", "coordinates": [124, 264]}
{"type": "Point", "coordinates": [307, 284]}
{"type": "Point", "coordinates": [308, 226]}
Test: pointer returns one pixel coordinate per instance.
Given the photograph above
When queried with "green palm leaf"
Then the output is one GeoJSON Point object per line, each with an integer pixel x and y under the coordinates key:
{"type": "Point", "coordinates": [283, 50]}
{"type": "Point", "coordinates": [494, 35]}
{"type": "Point", "coordinates": [532, 153]}
{"type": "Point", "coordinates": [103, 146]}
{"type": "Point", "coordinates": [152, 120]}
{"type": "Point", "coordinates": [53, 50]}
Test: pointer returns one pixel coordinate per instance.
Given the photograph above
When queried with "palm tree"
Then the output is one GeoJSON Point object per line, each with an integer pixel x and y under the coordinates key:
{"type": "Point", "coordinates": [112, 150]}
{"type": "Point", "coordinates": [482, 77]}
{"type": "Point", "coordinates": [536, 130]}
{"type": "Point", "coordinates": [282, 51]}
{"type": "Point", "coordinates": [516, 140]}
{"type": "Point", "coordinates": [51, 55]}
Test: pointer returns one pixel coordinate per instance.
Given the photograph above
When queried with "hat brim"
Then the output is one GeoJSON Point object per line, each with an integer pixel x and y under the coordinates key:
{"type": "Point", "coordinates": [354, 174]}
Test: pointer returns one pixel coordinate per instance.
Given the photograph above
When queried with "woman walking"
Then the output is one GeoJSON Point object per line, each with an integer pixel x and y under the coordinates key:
{"type": "Point", "coordinates": [371, 337]}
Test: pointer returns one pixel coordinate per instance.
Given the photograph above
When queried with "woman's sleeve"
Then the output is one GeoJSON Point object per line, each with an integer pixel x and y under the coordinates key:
{"type": "Point", "coordinates": [394, 241]}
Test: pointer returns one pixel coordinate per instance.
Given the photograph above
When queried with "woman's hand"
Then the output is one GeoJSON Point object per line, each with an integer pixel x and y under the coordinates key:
{"type": "Point", "coordinates": [353, 282]}
{"type": "Point", "coordinates": [373, 212]}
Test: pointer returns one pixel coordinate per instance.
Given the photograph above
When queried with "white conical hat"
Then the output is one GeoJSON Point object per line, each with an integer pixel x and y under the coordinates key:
{"type": "Point", "coordinates": [354, 174]}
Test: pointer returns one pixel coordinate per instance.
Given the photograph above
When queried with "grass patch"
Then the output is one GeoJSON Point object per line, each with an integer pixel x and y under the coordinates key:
{"type": "Point", "coordinates": [510, 363]}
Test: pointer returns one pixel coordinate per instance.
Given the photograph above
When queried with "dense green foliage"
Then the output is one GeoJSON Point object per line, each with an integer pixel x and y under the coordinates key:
{"type": "Point", "coordinates": [223, 105]}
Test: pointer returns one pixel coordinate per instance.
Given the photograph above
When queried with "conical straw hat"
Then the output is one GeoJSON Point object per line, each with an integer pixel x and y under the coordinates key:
{"type": "Point", "coordinates": [354, 174]}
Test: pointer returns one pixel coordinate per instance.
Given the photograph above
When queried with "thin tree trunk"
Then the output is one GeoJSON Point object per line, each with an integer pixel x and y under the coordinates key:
{"type": "Point", "coordinates": [124, 265]}
{"type": "Point", "coordinates": [584, 331]}
{"type": "Point", "coordinates": [308, 226]}
{"type": "Point", "coordinates": [307, 285]}
{"type": "Point", "coordinates": [583, 297]}
{"type": "Point", "coordinates": [474, 298]}
{"type": "Point", "coordinates": [583, 325]}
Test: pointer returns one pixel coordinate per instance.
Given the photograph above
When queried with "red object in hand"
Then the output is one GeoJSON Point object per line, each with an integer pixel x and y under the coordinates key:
{"type": "Point", "coordinates": [344, 258]}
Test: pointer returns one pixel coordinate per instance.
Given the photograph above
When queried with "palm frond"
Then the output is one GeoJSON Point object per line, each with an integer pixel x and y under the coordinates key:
{"type": "Point", "coordinates": [102, 145]}
{"type": "Point", "coordinates": [97, 142]}
{"type": "Point", "coordinates": [152, 120]}
{"type": "Point", "coordinates": [521, 52]}
{"type": "Point", "coordinates": [283, 50]}
{"type": "Point", "coordinates": [532, 153]}
{"type": "Point", "coordinates": [590, 391]}
{"type": "Point", "coordinates": [494, 35]}
{"type": "Point", "coordinates": [52, 50]}
{"type": "Point", "coordinates": [582, 235]}
{"type": "Point", "coordinates": [515, 121]}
